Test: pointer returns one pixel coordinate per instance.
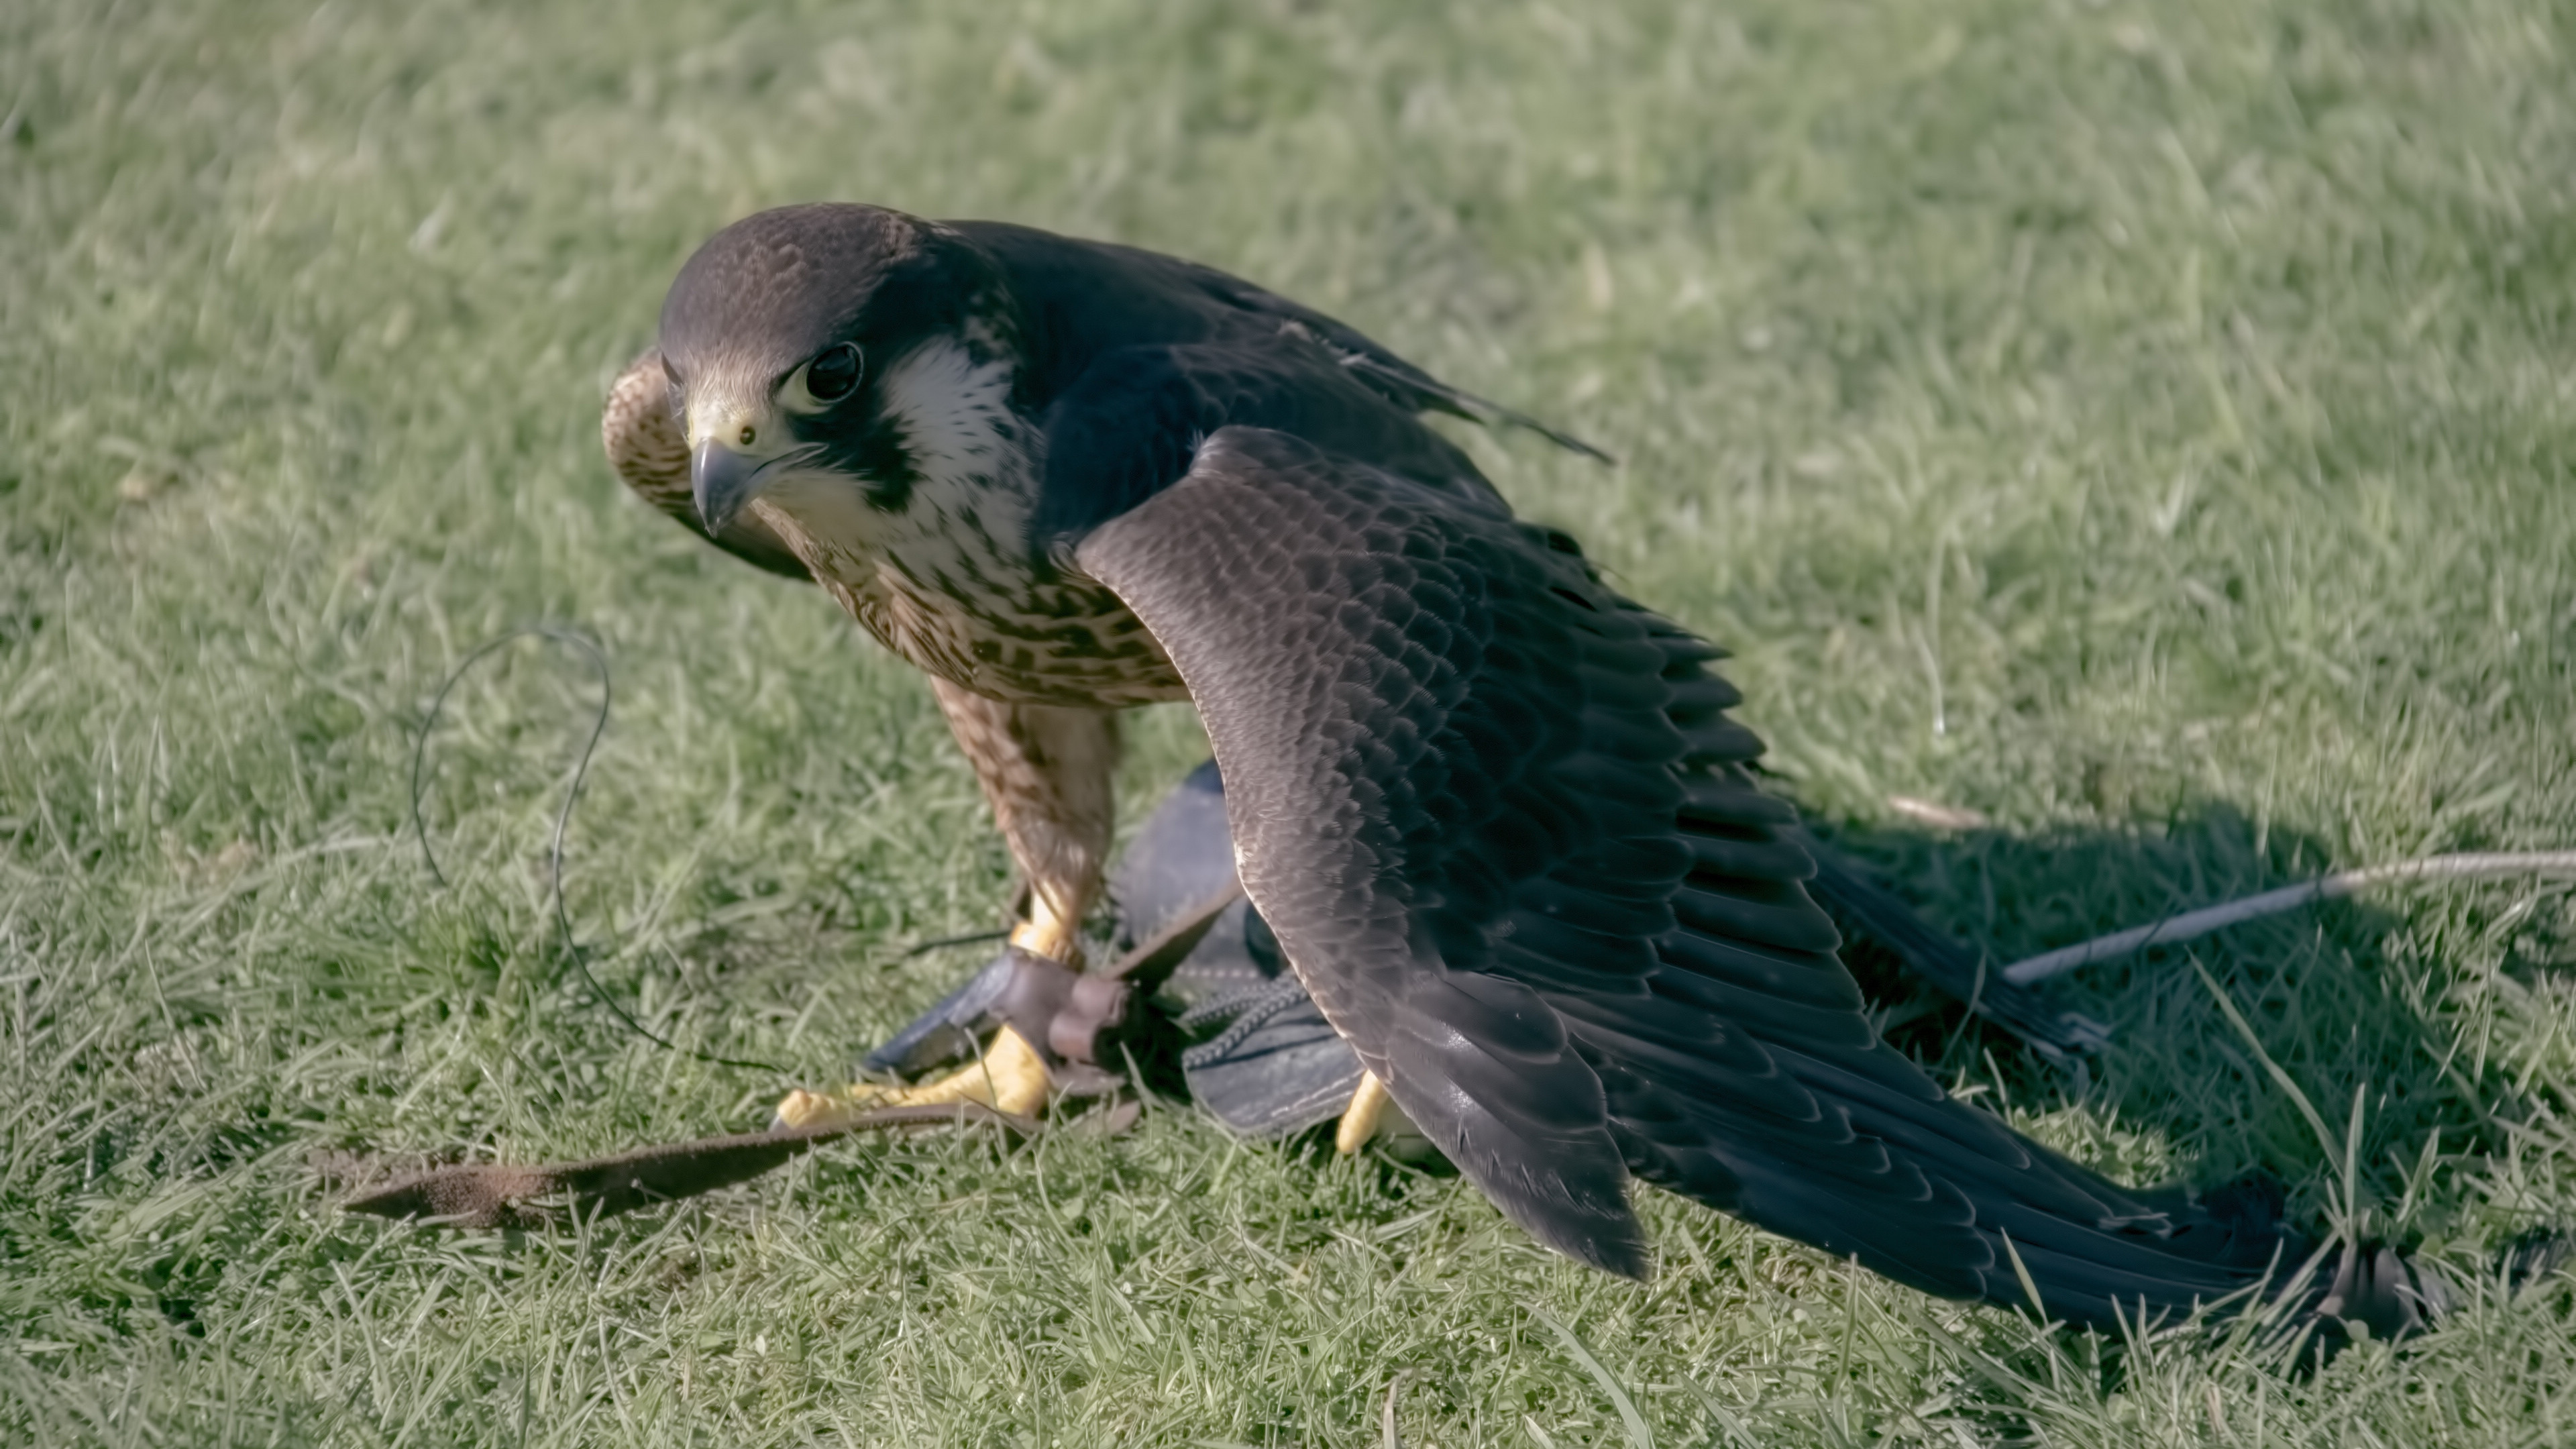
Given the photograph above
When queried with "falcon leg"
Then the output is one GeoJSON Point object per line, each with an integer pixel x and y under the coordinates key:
{"type": "Point", "coordinates": [1047, 772]}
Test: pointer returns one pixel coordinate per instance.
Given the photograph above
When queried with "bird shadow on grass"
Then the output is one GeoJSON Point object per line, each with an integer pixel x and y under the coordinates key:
{"type": "Point", "coordinates": [2387, 1122]}
{"type": "Point", "coordinates": [2355, 1002]}
{"type": "Point", "coordinates": [2387, 1117]}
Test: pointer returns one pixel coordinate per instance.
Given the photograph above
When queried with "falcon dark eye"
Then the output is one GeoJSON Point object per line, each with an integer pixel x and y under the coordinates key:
{"type": "Point", "coordinates": [831, 376]}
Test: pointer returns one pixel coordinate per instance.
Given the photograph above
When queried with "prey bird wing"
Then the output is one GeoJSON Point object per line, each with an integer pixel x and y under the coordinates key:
{"type": "Point", "coordinates": [1501, 824]}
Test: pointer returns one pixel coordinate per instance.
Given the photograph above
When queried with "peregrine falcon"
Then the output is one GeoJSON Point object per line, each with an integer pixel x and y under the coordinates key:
{"type": "Point", "coordinates": [1494, 812]}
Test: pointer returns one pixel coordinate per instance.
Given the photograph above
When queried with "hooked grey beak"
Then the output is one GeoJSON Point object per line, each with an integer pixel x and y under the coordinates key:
{"type": "Point", "coordinates": [722, 481]}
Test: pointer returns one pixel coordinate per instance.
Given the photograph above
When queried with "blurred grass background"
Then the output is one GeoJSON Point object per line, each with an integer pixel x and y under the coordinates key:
{"type": "Point", "coordinates": [2146, 425]}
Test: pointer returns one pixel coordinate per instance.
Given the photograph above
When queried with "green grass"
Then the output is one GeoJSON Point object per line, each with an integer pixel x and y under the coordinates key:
{"type": "Point", "coordinates": [2149, 425]}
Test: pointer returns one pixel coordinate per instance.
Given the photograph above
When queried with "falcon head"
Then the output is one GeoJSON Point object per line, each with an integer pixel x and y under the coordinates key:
{"type": "Point", "coordinates": [835, 358]}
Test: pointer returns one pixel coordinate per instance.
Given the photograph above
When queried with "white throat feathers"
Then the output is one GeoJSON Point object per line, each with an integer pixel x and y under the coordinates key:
{"type": "Point", "coordinates": [947, 577]}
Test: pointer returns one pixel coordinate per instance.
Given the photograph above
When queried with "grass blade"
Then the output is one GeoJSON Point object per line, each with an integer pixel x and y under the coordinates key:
{"type": "Point", "coordinates": [1639, 1436]}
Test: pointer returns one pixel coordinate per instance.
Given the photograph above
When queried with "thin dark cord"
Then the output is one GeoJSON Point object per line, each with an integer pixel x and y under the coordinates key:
{"type": "Point", "coordinates": [563, 821]}
{"type": "Point", "coordinates": [924, 948]}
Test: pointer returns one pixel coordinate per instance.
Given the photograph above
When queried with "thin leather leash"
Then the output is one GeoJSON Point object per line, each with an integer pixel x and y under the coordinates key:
{"type": "Point", "coordinates": [1083, 1015]}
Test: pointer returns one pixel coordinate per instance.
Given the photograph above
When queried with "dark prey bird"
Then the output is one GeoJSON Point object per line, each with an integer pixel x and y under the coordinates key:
{"type": "Point", "coordinates": [1494, 811]}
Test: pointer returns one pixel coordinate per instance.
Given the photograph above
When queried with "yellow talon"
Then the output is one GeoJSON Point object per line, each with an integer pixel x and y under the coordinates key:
{"type": "Point", "coordinates": [1047, 932]}
{"type": "Point", "coordinates": [1360, 1119]}
{"type": "Point", "coordinates": [1009, 1077]}
{"type": "Point", "coordinates": [801, 1108]}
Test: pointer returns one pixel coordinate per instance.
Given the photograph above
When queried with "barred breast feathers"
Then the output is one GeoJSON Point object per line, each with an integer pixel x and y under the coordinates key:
{"type": "Point", "coordinates": [947, 579]}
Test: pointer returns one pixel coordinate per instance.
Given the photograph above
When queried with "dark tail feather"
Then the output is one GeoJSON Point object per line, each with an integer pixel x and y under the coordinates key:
{"type": "Point", "coordinates": [1915, 1195]}
{"type": "Point", "coordinates": [1958, 1197]}
{"type": "Point", "coordinates": [1430, 392]}
{"type": "Point", "coordinates": [1963, 973]}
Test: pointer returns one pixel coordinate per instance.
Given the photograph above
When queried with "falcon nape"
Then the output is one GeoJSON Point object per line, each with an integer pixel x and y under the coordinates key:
{"type": "Point", "coordinates": [1493, 811]}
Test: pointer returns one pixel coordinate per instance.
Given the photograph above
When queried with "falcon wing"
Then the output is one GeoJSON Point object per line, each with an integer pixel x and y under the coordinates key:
{"type": "Point", "coordinates": [1396, 700]}
{"type": "Point", "coordinates": [650, 452]}
{"type": "Point", "coordinates": [1132, 424]}
{"type": "Point", "coordinates": [1499, 821]}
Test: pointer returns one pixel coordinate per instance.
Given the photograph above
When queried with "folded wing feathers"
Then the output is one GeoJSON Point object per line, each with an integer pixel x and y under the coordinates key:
{"type": "Point", "coordinates": [1514, 853]}
{"type": "Point", "coordinates": [1746, 1076]}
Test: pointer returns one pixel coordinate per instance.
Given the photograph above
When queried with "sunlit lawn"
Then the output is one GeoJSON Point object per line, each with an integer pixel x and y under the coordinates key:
{"type": "Point", "coordinates": [2147, 425]}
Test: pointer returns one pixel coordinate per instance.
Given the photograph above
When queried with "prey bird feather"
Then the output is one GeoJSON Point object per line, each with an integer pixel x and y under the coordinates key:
{"type": "Point", "coordinates": [1497, 814]}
